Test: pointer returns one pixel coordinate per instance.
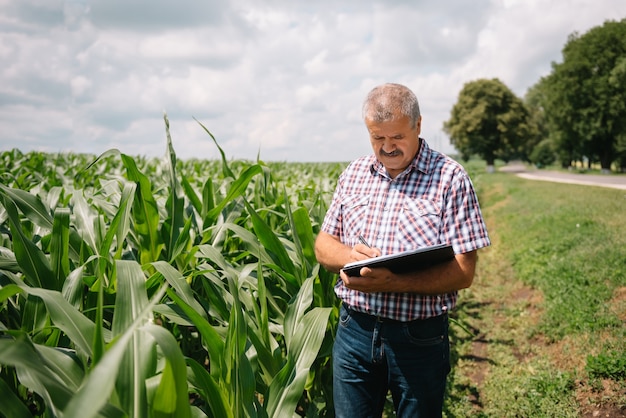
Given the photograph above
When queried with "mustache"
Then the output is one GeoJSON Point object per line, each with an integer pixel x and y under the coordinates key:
{"type": "Point", "coordinates": [394, 153]}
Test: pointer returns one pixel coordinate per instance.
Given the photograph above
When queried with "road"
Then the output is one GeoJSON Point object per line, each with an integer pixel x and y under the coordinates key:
{"type": "Point", "coordinates": [615, 181]}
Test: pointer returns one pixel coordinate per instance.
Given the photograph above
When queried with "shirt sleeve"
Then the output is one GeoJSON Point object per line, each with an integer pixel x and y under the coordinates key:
{"type": "Point", "coordinates": [463, 224]}
{"type": "Point", "coordinates": [333, 219]}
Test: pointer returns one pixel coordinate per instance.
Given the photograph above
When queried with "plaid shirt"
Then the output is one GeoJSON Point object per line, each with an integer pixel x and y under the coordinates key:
{"type": "Point", "coordinates": [431, 202]}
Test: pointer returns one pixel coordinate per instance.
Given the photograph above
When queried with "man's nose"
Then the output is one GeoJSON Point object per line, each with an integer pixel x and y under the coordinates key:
{"type": "Point", "coordinates": [388, 145]}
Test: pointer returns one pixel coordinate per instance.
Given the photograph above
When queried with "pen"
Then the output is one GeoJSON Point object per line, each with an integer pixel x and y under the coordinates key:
{"type": "Point", "coordinates": [363, 241]}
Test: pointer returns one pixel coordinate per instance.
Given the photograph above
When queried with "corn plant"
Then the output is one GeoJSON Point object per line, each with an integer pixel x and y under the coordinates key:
{"type": "Point", "coordinates": [142, 288]}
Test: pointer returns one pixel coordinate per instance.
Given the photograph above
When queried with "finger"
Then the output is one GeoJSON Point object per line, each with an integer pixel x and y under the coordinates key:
{"type": "Point", "coordinates": [365, 271]}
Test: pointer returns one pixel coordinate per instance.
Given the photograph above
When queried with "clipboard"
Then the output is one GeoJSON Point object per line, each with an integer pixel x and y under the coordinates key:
{"type": "Point", "coordinates": [404, 262]}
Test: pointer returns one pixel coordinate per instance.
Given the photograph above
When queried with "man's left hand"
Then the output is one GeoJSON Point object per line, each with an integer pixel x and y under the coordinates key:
{"type": "Point", "coordinates": [371, 280]}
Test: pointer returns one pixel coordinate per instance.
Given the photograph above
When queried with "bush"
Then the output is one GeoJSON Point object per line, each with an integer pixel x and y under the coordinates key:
{"type": "Point", "coordinates": [543, 154]}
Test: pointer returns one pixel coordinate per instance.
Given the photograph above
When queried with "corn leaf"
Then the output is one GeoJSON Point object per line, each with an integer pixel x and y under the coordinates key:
{"type": "Point", "coordinates": [10, 404]}
{"type": "Point", "coordinates": [138, 360]}
{"type": "Point", "coordinates": [286, 388]}
{"type": "Point", "coordinates": [172, 399]}
{"type": "Point", "coordinates": [33, 372]}
{"type": "Point", "coordinates": [73, 323]}
{"type": "Point", "coordinates": [227, 171]}
{"type": "Point", "coordinates": [30, 205]}
{"type": "Point", "coordinates": [120, 224]}
{"type": "Point", "coordinates": [237, 189]}
{"type": "Point", "coordinates": [213, 342]}
{"type": "Point", "coordinates": [270, 241]}
{"type": "Point", "coordinates": [178, 283]}
{"type": "Point", "coordinates": [145, 212]}
{"type": "Point", "coordinates": [59, 246]}
{"type": "Point", "coordinates": [97, 388]}
{"type": "Point", "coordinates": [215, 395]}
{"type": "Point", "coordinates": [31, 259]}
{"type": "Point", "coordinates": [297, 309]}
{"type": "Point", "coordinates": [174, 222]}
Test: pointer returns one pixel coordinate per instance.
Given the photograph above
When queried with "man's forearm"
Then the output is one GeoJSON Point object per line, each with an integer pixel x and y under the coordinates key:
{"type": "Point", "coordinates": [331, 253]}
{"type": "Point", "coordinates": [443, 278]}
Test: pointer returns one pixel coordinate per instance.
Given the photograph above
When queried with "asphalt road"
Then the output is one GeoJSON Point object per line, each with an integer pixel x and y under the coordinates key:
{"type": "Point", "coordinates": [615, 181]}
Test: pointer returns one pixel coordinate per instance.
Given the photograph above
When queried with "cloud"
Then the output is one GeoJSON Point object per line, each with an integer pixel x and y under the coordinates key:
{"type": "Point", "coordinates": [278, 78]}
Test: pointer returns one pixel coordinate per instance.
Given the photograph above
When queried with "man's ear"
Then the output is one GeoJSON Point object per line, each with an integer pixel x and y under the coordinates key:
{"type": "Point", "coordinates": [418, 126]}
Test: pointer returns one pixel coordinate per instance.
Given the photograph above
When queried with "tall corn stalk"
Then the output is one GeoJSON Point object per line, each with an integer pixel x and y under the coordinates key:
{"type": "Point", "coordinates": [130, 289]}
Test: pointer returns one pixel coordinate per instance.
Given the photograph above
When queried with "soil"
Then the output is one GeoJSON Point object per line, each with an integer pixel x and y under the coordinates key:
{"type": "Point", "coordinates": [595, 401]}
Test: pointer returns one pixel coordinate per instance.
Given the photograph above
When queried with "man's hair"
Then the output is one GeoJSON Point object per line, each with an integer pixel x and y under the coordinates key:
{"type": "Point", "coordinates": [391, 101]}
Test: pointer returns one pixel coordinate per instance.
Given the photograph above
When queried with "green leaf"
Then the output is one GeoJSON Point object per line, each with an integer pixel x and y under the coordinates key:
{"type": "Point", "coordinates": [225, 168]}
{"type": "Point", "coordinates": [59, 246]}
{"type": "Point", "coordinates": [178, 283]}
{"type": "Point", "coordinates": [192, 195]}
{"type": "Point", "coordinates": [10, 404]}
{"type": "Point", "coordinates": [30, 205]}
{"type": "Point", "coordinates": [9, 291]}
{"type": "Point", "coordinates": [145, 212]}
{"type": "Point", "coordinates": [172, 399]}
{"type": "Point", "coordinates": [30, 258]}
{"type": "Point", "coordinates": [270, 241]}
{"type": "Point", "coordinates": [174, 222]}
{"type": "Point", "coordinates": [73, 323]}
{"type": "Point", "coordinates": [121, 222]}
{"type": "Point", "coordinates": [139, 358]}
{"type": "Point", "coordinates": [213, 342]}
{"type": "Point", "coordinates": [97, 388]}
{"type": "Point", "coordinates": [215, 396]}
{"type": "Point", "coordinates": [304, 230]}
{"type": "Point", "coordinates": [286, 389]}
{"type": "Point", "coordinates": [237, 189]}
{"type": "Point", "coordinates": [297, 309]}
{"type": "Point", "coordinates": [53, 373]}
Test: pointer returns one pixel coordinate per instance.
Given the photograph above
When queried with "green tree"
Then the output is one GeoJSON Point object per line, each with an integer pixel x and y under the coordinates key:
{"type": "Point", "coordinates": [488, 120]}
{"type": "Point", "coordinates": [540, 134]}
{"type": "Point", "coordinates": [585, 95]}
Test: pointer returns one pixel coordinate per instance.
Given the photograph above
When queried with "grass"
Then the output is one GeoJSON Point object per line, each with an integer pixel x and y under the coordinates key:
{"type": "Point", "coordinates": [547, 306]}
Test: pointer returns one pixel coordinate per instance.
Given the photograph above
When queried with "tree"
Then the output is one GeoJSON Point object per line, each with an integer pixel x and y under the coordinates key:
{"type": "Point", "coordinates": [488, 120]}
{"type": "Point", "coordinates": [533, 100]}
{"type": "Point", "coordinates": [585, 95]}
{"type": "Point", "coordinates": [543, 154]}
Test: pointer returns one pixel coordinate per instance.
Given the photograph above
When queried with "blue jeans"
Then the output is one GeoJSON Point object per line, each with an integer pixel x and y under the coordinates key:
{"type": "Point", "coordinates": [372, 356]}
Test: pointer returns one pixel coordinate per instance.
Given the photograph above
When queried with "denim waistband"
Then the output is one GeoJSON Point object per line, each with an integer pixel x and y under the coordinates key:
{"type": "Point", "coordinates": [374, 318]}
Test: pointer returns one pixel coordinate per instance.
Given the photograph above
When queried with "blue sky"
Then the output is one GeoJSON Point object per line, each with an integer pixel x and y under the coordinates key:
{"type": "Point", "coordinates": [281, 79]}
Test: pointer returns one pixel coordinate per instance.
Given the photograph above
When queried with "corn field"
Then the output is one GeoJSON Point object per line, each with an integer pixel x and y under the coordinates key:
{"type": "Point", "coordinates": [135, 287]}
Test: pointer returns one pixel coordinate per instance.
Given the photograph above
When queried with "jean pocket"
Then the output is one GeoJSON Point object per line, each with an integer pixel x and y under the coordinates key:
{"type": "Point", "coordinates": [426, 333]}
{"type": "Point", "coordinates": [344, 316]}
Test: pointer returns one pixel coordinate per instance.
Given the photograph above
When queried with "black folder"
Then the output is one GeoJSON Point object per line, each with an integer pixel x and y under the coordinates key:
{"type": "Point", "coordinates": [406, 261]}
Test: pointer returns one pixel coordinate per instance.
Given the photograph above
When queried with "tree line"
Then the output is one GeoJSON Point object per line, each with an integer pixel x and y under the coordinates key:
{"type": "Point", "coordinates": [575, 113]}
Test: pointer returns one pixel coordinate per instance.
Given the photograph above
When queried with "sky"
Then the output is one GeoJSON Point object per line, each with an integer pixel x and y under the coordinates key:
{"type": "Point", "coordinates": [279, 80]}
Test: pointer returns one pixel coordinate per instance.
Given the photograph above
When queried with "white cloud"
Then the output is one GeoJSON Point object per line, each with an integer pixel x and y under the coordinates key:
{"type": "Point", "coordinates": [282, 78]}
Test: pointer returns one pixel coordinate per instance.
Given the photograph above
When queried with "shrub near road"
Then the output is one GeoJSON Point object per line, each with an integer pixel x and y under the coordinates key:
{"type": "Point", "coordinates": [548, 307]}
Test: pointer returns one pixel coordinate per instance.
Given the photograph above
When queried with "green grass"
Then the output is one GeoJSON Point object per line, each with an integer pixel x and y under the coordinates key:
{"type": "Point", "coordinates": [545, 303]}
{"type": "Point", "coordinates": [567, 241]}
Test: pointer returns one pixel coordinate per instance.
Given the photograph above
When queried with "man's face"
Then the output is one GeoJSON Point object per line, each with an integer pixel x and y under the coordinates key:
{"type": "Point", "coordinates": [395, 142]}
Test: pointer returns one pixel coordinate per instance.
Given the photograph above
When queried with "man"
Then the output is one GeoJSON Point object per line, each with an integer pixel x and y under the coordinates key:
{"type": "Point", "coordinates": [393, 330]}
